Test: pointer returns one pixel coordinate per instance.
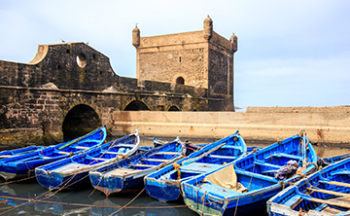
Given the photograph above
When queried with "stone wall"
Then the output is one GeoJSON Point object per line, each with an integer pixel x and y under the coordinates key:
{"type": "Point", "coordinates": [25, 115]}
{"type": "Point", "coordinates": [167, 57]}
{"type": "Point", "coordinates": [71, 87]}
{"type": "Point", "coordinates": [68, 66]}
{"type": "Point", "coordinates": [334, 126]}
{"type": "Point", "coordinates": [335, 109]}
{"type": "Point", "coordinates": [201, 62]}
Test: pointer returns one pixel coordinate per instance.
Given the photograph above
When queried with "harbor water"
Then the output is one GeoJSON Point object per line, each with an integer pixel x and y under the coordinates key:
{"type": "Point", "coordinates": [30, 198]}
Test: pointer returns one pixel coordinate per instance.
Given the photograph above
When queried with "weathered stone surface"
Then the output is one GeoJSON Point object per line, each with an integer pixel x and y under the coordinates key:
{"type": "Point", "coordinates": [202, 59]}
{"type": "Point", "coordinates": [270, 127]}
{"type": "Point", "coordinates": [336, 109]}
{"type": "Point", "coordinates": [75, 80]}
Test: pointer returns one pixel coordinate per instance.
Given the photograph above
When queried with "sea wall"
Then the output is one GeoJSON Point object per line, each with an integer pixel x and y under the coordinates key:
{"type": "Point", "coordinates": [326, 124]}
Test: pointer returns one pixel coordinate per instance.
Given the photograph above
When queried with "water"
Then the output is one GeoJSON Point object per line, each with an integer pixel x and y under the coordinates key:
{"type": "Point", "coordinates": [30, 198]}
{"type": "Point", "coordinates": [18, 199]}
{"type": "Point", "coordinates": [79, 202]}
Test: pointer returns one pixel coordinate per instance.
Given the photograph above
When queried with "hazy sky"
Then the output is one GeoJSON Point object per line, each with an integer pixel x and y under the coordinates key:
{"type": "Point", "coordinates": [290, 52]}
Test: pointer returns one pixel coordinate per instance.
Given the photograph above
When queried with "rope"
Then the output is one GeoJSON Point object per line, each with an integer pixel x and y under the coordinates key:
{"type": "Point", "coordinates": [45, 129]}
{"type": "Point", "coordinates": [128, 202]}
{"type": "Point", "coordinates": [91, 205]}
{"type": "Point", "coordinates": [250, 182]}
{"type": "Point", "coordinates": [312, 163]}
{"type": "Point", "coordinates": [177, 167]}
{"type": "Point", "coordinates": [203, 198]}
{"type": "Point", "coordinates": [282, 184]}
{"type": "Point", "coordinates": [14, 207]}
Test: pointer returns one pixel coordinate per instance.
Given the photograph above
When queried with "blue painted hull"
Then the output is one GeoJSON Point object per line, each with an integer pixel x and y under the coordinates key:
{"type": "Point", "coordinates": [73, 172]}
{"type": "Point", "coordinates": [115, 184]}
{"type": "Point", "coordinates": [54, 181]}
{"type": "Point", "coordinates": [127, 175]}
{"type": "Point", "coordinates": [16, 152]}
{"type": "Point", "coordinates": [254, 173]}
{"type": "Point", "coordinates": [164, 184]}
{"type": "Point", "coordinates": [164, 193]}
{"type": "Point", "coordinates": [23, 165]}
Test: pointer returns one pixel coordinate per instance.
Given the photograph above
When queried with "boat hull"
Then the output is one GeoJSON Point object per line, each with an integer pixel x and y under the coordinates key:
{"type": "Point", "coordinates": [116, 185]}
{"type": "Point", "coordinates": [165, 184]}
{"type": "Point", "coordinates": [127, 175]}
{"type": "Point", "coordinates": [214, 209]}
{"type": "Point", "coordinates": [73, 172]}
{"type": "Point", "coordinates": [23, 165]}
{"type": "Point", "coordinates": [164, 191]}
{"type": "Point", "coordinates": [256, 173]}
{"type": "Point", "coordinates": [54, 180]}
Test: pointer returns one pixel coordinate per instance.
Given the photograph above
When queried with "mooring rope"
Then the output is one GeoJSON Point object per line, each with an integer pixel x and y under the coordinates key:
{"type": "Point", "coordinates": [45, 129]}
{"type": "Point", "coordinates": [14, 207]}
{"type": "Point", "coordinates": [250, 182]}
{"type": "Point", "coordinates": [128, 202]}
{"type": "Point", "coordinates": [29, 200]}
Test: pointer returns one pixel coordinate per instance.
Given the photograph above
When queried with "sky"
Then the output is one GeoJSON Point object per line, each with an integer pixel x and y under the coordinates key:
{"type": "Point", "coordinates": [290, 52]}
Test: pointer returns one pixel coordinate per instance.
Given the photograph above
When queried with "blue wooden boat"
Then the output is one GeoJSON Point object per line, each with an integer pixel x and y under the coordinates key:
{"type": "Point", "coordinates": [127, 175]}
{"type": "Point", "coordinates": [73, 172]}
{"type": "Point", "coordinates": [323, 162]}
{"type": "Point", "coordinates": [21, 166]}
{"type": "Point", "coordinates": [20, 151]}
{"type": "Point", "coordinates": [252, 180]}
{"type": "Point", "coordinates": [164, 184]}
{"type": "Point", "coordinates": [325, 192]}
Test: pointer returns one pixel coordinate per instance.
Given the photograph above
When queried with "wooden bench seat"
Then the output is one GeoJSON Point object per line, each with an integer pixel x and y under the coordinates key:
{"type": "Point", "coordinates": [157, 160]}
{"type": "Point", "coordinates": [336, 183]}
{"type": "Point", "coordinates": [82, 147]}
{"type": "Point", "coordinates": [222, 157]}
{"type": "Point", "coordinates": [330, 192]}
{"type": "Point", "coordinates": [144, 165]}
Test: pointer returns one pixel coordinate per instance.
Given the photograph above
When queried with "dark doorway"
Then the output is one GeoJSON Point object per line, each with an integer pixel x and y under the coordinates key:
{"type": "Point", "coordinates": [180, 80]}
{"type": "Point", "coordinates": [80, 120]}
{"type": "Point", "coordinates": [173, 108]}
{"type": "Point", "coordinates": [136, 105]}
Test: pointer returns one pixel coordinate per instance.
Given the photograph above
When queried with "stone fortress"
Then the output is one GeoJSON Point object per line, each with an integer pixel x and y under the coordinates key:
{"type": "Point", "coordinates": [71, 88]}
{"type": "Point", "coordinates": [202, 59]}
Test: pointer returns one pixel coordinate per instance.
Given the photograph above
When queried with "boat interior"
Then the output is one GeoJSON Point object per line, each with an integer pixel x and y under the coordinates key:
{"type": "Point", "coordinates": [325, 193]}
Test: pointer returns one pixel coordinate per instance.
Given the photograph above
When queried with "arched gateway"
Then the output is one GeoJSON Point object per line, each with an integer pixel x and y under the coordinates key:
{"type": "Point", "coordinates": [80, 120]}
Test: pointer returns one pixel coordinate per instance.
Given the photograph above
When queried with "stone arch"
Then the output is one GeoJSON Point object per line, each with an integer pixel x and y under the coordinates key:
{"type": "Point", "coordinates": [174, 108]}
{"type": "Point", "coordinates": [79, 120]}
{"type": "Point", "coordinates": [136, 105]}
{"type": "Point", "coordinates": [180, 79]}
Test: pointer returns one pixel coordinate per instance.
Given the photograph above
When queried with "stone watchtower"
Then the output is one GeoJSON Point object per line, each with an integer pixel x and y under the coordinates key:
{"type": "Point", "coordinates": [200, 59]}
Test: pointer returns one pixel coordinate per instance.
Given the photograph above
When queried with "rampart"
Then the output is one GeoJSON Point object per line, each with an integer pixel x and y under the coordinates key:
{"type": "Point", "coordinates": [332, 124]}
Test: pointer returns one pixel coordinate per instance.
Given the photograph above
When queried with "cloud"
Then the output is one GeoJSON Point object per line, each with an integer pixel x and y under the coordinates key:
{"type": "Point", "coordinates": [289, 52]}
